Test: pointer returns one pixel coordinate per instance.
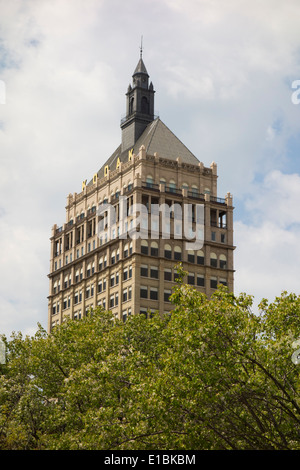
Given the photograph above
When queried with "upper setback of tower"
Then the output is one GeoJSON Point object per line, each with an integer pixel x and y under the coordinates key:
{"type": "Point", "coordinates": [140, 127]}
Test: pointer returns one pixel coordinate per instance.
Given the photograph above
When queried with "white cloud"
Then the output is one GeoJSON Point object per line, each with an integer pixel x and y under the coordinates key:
{"type": "Point", "coordinates": [268, 249]}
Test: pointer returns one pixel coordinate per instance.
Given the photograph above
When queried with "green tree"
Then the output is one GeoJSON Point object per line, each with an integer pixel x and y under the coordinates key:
{"type": "Point", "coordinates": [211, 375]}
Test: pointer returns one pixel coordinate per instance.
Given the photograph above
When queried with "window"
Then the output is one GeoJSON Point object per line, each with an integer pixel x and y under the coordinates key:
{"type": "Point", "coordinates": [168, 274]}
{"type": "Point", "coordinates": [125, 295]}
{"type": "Point", "coordinates": [167, 294]}
{"type": "Point", "coordinates": [223, 238]}
{"type": "Point", "coordinates": [213, 282]}
{"type": "Point", "coordinates": [168, 251]}
{"type": "Point", "coordinates": [223, 281]}
{"type": "Point", "coordinates": [76, 298]}
{"type": "Point", "coordinates": [112, 280]}
{"type": "Point", "coordinates": [130, 272]}
{"type": "Point", "coordinates": [191, 279]}
{"type": "Point", "coordinates": [87, 292]}
{"type": "Point", "coordinates": [88, 271]}
{"type": "Point", "coordinates": [213, 236]}
{"type": "Point", "coordinates": [100, 263]}
{"type": "Point", "coordinates": [144, 270]}
{"type": "Point", "coordinates": [125, 274]}
{"type": "Point", "coordinates": [129, 293]}
{"type": "Point", "coordinates": [223, 262]}
{"type": "Point", "coordinates": [154, 249]}
{"type": "Point", "coordinates": [194, 190]}
{"type": "Point", "coordinates": [172, 186]}
{"type": "Point", "coordinates": [149, 181]}
{"type": "Point", "coordinates": [200, 280]}
{"type": "Point", "coordinates": [200, 257]}
{"type": "Point", "coordinates": [113, 257]}
{"type": "Point", "coordinates": [144, 247]}
{"type": "Point", "coordinates": [154, 272]}
{"type": "Point", "coordinates": [177, 253]}
{"type": "Point", "coordinates": [191, 256]}
{"type": "Point", "coordinates": [144, 292]}
{"type": "Point", "coordinates": [213, 260]}
{"type": "Point", "coordinates": [126, 250]}
{"type": "Point", "coordinates": [153, 293]}
{"type": "Point", "coordinates": [112, 301]}
{"type": "Point", "coordinates": [124, 315]}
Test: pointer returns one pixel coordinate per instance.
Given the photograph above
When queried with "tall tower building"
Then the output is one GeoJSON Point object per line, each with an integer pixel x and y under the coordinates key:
{"type": "Point", "coordinates": [150, 206]}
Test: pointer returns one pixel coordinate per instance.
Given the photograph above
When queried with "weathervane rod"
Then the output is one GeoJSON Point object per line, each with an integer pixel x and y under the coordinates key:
{"type": "Point", "coordinates": [141, 48]}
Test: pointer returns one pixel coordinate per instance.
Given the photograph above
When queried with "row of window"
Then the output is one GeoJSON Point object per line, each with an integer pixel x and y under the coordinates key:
{"type": "Point", "coordinates": [176, 254]}
{"type": "Point", "coordinates": [127, 274]}
{"type": "Point", "coordinates": [115, 255]}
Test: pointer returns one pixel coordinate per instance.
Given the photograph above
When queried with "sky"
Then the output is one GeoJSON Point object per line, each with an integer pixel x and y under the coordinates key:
{"type": "Point", "coordinates": [227, 81]}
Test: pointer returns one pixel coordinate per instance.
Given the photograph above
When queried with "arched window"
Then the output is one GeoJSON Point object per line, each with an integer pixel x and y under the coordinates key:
{"type": "Point", "coordinates": [213, 260]}
{"type": "Point", "coordinates": [223, 261]}
{"type": "Point", "coordinates": [154, 249]}
{"type": "Point", "coordinates": [131, 103]}
{"type": "Point", "coordinates": [149, 181]}
{"type": "Point", "coordinates": [194, 190]}
{"type": "Point", "coordinates": [88, 270]}
{"type": "Point", "coordinates": [144, 247]}
{"type": "Point", "coordinates": [200, 257]}
{"type": "Point", "coordinates": [172, 186]}
{"type": "Point", "coordinates": [185, 186]}
{"type": "Point", "coordinates": [191, 256]}
{"type": "Point", "coordinates": [168, 251]}
{"type": "Point", "coordinates": [145, 105]}
{"type": "Point", "coordinates": [177, 253]}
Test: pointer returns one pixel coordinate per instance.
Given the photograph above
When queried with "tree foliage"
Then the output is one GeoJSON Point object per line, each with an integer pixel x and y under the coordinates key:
{"type": "Point", "coordinates": [211, 375]}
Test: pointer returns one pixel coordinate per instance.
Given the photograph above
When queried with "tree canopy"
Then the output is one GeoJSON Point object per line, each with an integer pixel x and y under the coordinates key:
{"type": "Point", "coordinates": [209, 375]}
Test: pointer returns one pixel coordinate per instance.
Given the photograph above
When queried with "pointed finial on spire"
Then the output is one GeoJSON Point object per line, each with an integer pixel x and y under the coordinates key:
{"type": "Point", "coordinates": [141, 48]}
